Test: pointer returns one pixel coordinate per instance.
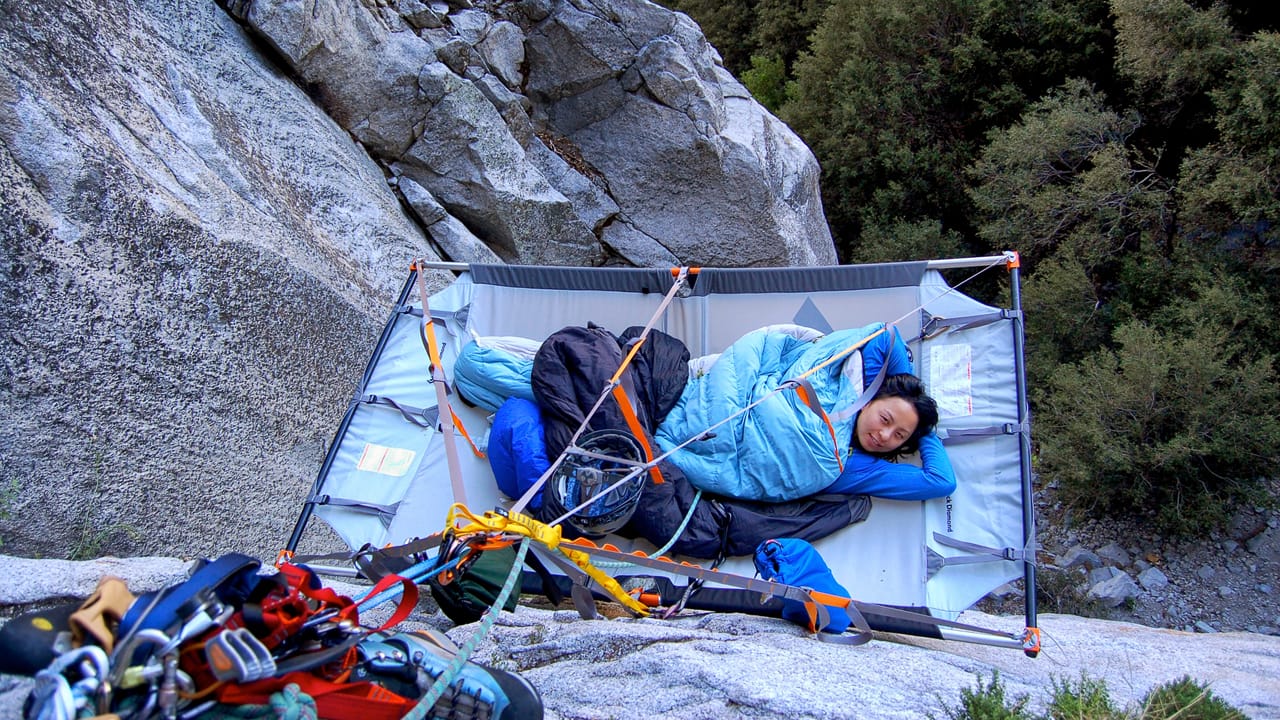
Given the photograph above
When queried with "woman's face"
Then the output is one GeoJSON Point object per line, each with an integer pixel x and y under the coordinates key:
{"type": "Point", "coordinates": [884, 424]}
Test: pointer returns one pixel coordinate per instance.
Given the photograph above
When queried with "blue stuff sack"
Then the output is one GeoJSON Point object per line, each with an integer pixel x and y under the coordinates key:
{"type": "Point", "coordinates": [795, 562]}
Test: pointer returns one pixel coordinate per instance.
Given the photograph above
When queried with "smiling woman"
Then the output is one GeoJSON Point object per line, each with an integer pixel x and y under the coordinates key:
{"type": "Point", "coordinates": [898, 421]}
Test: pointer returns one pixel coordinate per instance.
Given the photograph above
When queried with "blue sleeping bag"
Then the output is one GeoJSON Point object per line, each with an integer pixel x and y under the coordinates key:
{"type": "Point", "coordinates": [517, 451]}
{"type": "Point", "coordinates": [780, 450]}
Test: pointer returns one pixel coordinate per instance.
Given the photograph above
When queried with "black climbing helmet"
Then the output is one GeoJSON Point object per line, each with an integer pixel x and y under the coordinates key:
{"type": "Point", "coordinates": [606, 457]}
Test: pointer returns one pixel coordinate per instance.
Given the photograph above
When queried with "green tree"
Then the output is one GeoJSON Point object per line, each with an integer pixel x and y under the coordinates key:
{"type": "Point", "coordinates": [1232, 186]}
{"type": "Point", "coordinates": [895, 97]}
{"type": "Point", "coordinates": [1172, 425]}
{"type": "Point", "coordinates": [767, 81]}
{"type": "Point", "coordinates": [1066, 175]}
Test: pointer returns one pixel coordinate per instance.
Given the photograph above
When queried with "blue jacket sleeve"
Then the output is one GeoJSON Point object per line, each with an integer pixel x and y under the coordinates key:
{"type": "Point", "coordinates": [887, 347]}
{"type": "Point", "coordinates": [866, 474]}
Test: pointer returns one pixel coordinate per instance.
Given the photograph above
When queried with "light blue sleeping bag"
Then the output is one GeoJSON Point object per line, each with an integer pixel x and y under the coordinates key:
{"type": "Point", "coordinates": [780, 450]}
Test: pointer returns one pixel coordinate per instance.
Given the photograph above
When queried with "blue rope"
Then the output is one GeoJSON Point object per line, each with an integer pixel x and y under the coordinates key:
{"type": "Point", "coordinates": [415, 573]}
{"type": "Point", "coordinates": [428, 701]}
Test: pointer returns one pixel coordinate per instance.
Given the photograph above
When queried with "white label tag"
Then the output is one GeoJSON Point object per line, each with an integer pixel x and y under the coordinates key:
{"type": "Point", "coordinates": [951, 379]}
{"type": "Point", "coordinates": [385, 460]}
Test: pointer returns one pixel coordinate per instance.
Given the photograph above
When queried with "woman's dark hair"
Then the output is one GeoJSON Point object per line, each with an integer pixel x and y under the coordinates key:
{"type": "Point", "coordinates": [909, 388]}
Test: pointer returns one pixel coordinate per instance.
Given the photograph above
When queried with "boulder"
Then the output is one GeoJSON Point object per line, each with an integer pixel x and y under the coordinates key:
{"type": "Point", "coordinates": [202, 243]}
{"type": "Point", "coordinates": [1153, 579]}
{"type": "Point", "coordinates": [1114, 591]}
{"type": "Point", "coordinates": [630, 96]}
{"type": "Point", "coordinates": [1079, 556]}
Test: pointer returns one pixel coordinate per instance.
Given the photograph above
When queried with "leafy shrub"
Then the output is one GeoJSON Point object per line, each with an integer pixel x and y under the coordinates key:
{"type": "Point", "coordinates": [767, 81]}
{"type": "Point", "coordinates": [1186, 699]}
{"type": "Point", "coordinates": [1089, 699]}
{"type": "Point", "coordinates": [1175, 425]}
{"type": "Point", "coordinates": [988, 702]}
{"type": "Point", "coordinates": [896, 239]}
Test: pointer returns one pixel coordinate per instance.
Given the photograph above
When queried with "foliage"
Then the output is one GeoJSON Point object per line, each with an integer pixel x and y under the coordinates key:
{"type": "Point", "coordinates": [742, 31]}
{"type": "Point", "coordinates": [767, 81]}
{"type": "Point", "coordinates": [1065, 316]}
{"type": "Point", "coordinates": [1170, 49]}
{"type": "Point", "coordinates": [1233, 186]}
{"type": "Point", "coordinates": [899, 239]}
{"type": "Point", "coordinates": [1089, 699]}
{"type": "Point", "coordinates": [988, 702]}
{"type": "Point", "coordinates": [896, 97]}
{"type": "Point", "coordinates": [1065, 175]}
{"type": "Point", "coordinates": [1145, 201]}
{"type": "Point", "coordinates": [1187, 699]}
{"type": "Point", "coordinates": [1165, 426]}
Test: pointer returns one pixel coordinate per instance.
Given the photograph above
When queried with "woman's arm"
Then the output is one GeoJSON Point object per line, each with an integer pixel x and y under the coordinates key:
{"type": "Point", "coordinates": [887, 347]}
{"type": "Point", "coordinates": [866, 474]}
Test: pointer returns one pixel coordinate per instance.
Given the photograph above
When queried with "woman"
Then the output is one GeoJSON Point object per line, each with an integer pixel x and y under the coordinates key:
{"type": "Point", "coordinates": [899, 420]}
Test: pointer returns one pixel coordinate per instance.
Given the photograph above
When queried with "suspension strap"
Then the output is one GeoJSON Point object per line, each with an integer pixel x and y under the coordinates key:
{"type": "Point", "coordinates": [638, 430]}
{"type": "Point", "coordinates": [442, 400]}
{"type": "Point", "coordinates": [983, 554]}
{"type": "Point", "coordinates": [781, 590]}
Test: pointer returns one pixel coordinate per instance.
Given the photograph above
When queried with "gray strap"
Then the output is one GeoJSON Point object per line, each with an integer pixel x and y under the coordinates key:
{"type": "Point", "coordinates": [580, 589]}
{"type": "Point", "coordinates": [385, 513]}
{"type": "Point", "coordinates": [439, 317]}
{"type": "Point", "coordinates": [954, 435]}
{"type": "Point", "coordinates": [936, 562]}
{"type": "Point", "coordinates": [422, 417]}
{"type": "Point", "coordinates": [870, 391]}
{"type": "Point", "coordinates": [935, 325]}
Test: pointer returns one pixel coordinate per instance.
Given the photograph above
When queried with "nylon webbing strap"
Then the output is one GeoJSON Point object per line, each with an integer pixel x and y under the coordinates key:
{"type": "Point", "coordinates": [983, 554]}
{"type": "Point", "coordinates": [951, 435]}
{"type": "Point", "coordinates": [819, 601]}
{"type": "Point", "coordinates": [442, 400]}
{"type": "Point", "coordinates": [384, 512]}
{"type": "Point", "coordinates": [804, 389]}
{"type": "Point", "coordinates": [870, 391]}
{"type": "Point", "coordinates": [580, 583]}
{"type": "Point", "coordinates": [422, 417]}
{"type": "Point", "coordinates": [778, 589]}
{"type": "Point", "coordinates": [633, 423]}
{"type": "Point", "coordinates": [936, 325]}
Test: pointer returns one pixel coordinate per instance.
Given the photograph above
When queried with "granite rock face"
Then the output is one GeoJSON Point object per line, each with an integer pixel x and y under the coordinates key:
{"type": "Point", "coordinates": [723, 666]}
{"type": "Point", "coordinates": [197, 260]}
{"type": "Point", "coordinates": [563, 132]}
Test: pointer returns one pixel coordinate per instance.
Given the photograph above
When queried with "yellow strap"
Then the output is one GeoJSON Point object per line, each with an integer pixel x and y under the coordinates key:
{"type": "Point", "coordinates": [610, 585]}
{"type": "Point", "coordinates": [514, 523]}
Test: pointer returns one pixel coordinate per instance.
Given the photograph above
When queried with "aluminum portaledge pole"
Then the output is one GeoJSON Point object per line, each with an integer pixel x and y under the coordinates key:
{"type": "Point", "coordinates": [1024, 444]}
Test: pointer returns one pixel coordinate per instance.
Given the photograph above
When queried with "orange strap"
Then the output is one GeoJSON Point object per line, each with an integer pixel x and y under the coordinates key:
{"type": "Point", "coordinates": [810, 399]}
{"type": "Point", "coordinates": [633, 422]}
